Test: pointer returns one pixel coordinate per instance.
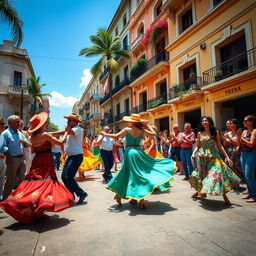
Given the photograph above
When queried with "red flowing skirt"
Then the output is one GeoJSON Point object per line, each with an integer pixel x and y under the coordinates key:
{"type": "Point", "coordinates": [39, 192]}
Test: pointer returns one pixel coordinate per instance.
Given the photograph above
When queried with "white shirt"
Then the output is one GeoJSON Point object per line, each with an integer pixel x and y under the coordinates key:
{"type": "Point", "coordinates": [107, 143]}
{"type": "Point", "coordinates": [74, 142]}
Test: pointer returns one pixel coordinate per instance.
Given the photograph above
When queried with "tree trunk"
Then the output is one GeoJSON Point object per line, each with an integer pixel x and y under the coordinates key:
{"type": "Point", "coordinates": [34, 110]}
{"type": "Point", "coordinates": [111, 101]}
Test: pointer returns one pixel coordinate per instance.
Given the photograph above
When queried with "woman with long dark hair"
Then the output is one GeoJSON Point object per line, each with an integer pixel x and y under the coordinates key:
{"type": "Point", "coordinates": [212, 175]}
{"type": "Point", "coordinates": [140, 174]}
{"type": "Point", "coordinates": [248, 156]}
{"type": "Point", "coordinates": [40, 191]}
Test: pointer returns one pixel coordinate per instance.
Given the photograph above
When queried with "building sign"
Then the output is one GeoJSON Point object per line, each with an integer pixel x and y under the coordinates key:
{"type": "Point", "coordinates": [233, 90]}
{"type": "Point", "coordinates": [188, 103]}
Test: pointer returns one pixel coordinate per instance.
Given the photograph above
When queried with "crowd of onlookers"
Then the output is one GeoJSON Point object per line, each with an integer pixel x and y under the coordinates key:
{"type": "Point", "coordinates": [238, 140]}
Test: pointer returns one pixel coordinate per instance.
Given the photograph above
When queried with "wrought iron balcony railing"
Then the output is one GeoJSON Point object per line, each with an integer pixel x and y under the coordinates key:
{"type": "Point", "coordinates": [94, 116]}
{"type": "Point", "coordinates": [157, 101]}
{"type": "Point", "coordinates": [86, 105]}
{"type": "Point", "coordinates": [105, 98]}
{"type": "Point", "coordinates": [181, 89]}
{"type": "Point", "coordinates": [161, 56]}
{"type": "Point", "coordinates": [231, 67]}
{"type": "Point", "coordinates": [103, 73]}
{"type": "Point", "coordinates": [136, 41]}
{"type": "Point", "coordinates": [120, 116]}
{"type": "Point", "coordinates": [120, 86]}
{"type": "Point", "coordinates": [140, 108]}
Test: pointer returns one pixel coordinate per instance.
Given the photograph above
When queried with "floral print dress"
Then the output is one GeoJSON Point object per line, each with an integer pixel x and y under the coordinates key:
{"type": "Point", "coordinates": [212, 176]}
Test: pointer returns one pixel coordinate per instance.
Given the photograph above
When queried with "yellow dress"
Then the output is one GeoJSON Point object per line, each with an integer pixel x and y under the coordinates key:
{"type": "Point", "coordinates": [89, 160]}
{"type": "Point", "coordinates": [153, 152]}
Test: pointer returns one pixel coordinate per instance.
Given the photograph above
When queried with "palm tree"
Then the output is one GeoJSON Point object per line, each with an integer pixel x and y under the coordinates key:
{"type": "Point", "coordinates": [9, 14]}
{"type": "Point", "coordinates": [107, 47]}
{"type": "Point", "coordinates": [35, 89]}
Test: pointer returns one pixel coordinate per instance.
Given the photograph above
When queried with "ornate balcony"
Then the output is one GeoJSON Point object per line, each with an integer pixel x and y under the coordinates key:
{"type": "Point", "coordinates": [157, 101]}
{"type": "Point", "coordinates": [185, 87]}
{"type": "Point", "coordinates": [95, 116]}
{"type": "Point", "coordinates": [121, 115]}
{"type": "Point", "coordinates": [120, 86]}
{"type": "Point", "coordinates": [136, 42]}
{"type": "Point", "coordinates": [231, 67]}
{"type": "Point", "coordinates": [105, 98]}
{"type": "Point", "coordinates": [15, 92]}
{"type": "Point", "coordinates": [103, 73]}
{"type": "Point", "coordinates": [161, 56]}
{"type": "Point", "coordinates": [86, 105]}
{"type": "Point", "coordinates": [140, 108]}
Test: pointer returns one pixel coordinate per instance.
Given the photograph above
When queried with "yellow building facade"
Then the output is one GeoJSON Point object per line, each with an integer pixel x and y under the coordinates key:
{"type": "Point", "coordinates": [212, 60]}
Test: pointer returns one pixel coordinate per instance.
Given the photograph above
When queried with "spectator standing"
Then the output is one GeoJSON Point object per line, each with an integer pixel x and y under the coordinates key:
{"type": "Point", "coordinates": [187, 139]}
{"type": "Point", "coordinates": [248, 156]}
{"type": "Point", "coordinates": [13, 143]}
{"type": "Point", "coordinates": [56, 151]}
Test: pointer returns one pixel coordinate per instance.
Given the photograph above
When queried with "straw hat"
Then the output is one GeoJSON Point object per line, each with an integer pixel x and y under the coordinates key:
{"type": "Point", "coordinates": [133, 118]}
{"type": "Point", "coordinates": [37, 121]}
{"type": "Point", "coordinates": [73, 117]}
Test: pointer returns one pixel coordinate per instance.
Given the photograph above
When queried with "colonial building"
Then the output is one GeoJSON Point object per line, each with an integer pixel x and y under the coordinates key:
{"type": "Point", "coordinates": [121, 93]}
{"type": "Point", "coordinates": [15, 69]}
{"type": "Point", "coordinates": [212, 59]}
{"type": "Point", "coordinates": [150, 76]}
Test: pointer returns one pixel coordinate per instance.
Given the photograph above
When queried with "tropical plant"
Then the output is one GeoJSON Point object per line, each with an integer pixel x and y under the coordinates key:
{"type": "Point", "coordinates": [9, 14]}
{"type": "Point", "coordinates": [138, 67]}
{"type": "Point", "coordinates": [51, 127]}
{"type": "Point", "coordinates": [35, 89]}
{"type": "Point", "coordinates": [108, 48]}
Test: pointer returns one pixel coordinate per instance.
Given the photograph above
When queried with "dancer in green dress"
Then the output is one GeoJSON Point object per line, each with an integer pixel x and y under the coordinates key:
{"type": "Point", "coordinates": [140, 173]}
{"type": "Point", "coordinates": [212, 175]}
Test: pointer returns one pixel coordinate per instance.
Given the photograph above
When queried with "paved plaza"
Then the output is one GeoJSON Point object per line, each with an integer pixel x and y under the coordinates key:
{"type": "Point", "coordinates": [173, 224]}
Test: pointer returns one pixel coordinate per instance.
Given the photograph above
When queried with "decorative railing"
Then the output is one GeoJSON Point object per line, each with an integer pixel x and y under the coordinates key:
{"type": "Point", "coordinates": [120, 116]}
{"type": "Point", "coordinates": [161, 56]}
{"type": "Point", "coordinates": [103, 73]}
{"type": "Point", "coordinates": [120, 86]}
{"type": "Point", "coordinates": [231, 67]}
{"type": "Point", "coordinates": [105, 98]}
{"type": "Point", "coordinates": [157, 101]}
{"type": "Point", "coordinates": [107, 119]}
{"type": "Point", "coordinates": [17, 89]}
{"type": "Point", "coordinates": [185, 87]}
{"type": "Point", "coordinates": [136, 41]}
{"type": "Point", "coordinates": [140, 108]}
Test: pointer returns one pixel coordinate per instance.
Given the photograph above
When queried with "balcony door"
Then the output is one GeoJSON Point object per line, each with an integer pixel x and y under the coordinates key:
{"type": "Point", "coordinates": [143, 101]}
{"type": "Point", "coordinates": [118, 109]}
{"type": "Point", "coordinates": [17, 78]}
{"type": "Point", "coordinates": [189, 76]}
{"type": "Point", "coordinates": [161, 89]}
{"type": "Point", "coordinates": [233, 57]}
{"type": "Point", "coordinates": [126, 106]}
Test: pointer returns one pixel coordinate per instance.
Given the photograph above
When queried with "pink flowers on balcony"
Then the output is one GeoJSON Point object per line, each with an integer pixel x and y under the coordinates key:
{"type": "Point", "coordinates": [153, 32]}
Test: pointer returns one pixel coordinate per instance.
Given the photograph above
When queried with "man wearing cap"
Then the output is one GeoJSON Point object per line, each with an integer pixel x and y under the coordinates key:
{"type": "Point", "coordinates": [2, 160]}
{"type": "Point", "coordinates": [12, 144]}
{"type": "Point", "coordinates": [74, 151]}
{"type": "Point", "coordinates": [106, 147]}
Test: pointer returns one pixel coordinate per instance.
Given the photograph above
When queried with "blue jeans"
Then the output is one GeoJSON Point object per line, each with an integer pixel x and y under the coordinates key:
{"type": "Point", "coordinates": [69, 172]}
{"type": "Point", "coordinates": [185, 154]}
{"type": "Point", "coordinates": [108, 161]}
{"type": "Point", "coordinates": [248, 163]}
{"type": "Point", "coordinates": [56, 157]}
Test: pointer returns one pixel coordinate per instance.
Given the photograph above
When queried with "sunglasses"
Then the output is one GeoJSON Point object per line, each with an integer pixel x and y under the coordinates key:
{"type": "Point", "coordinates": [245, 121]}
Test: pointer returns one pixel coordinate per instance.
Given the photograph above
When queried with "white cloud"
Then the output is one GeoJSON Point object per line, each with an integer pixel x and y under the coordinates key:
{"type": "Point", "coordinates": [85, 79]}
{"type": "Point", "coordinates": [59, 100]}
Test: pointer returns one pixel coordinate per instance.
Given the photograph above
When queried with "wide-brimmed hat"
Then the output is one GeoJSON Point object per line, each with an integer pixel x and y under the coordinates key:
{"type": "Point", "coordinates": [37, 121]}
{"type": "Point", "coordinates": [73, 117]}
{"type": "Point", "coordinates": [133, 118]}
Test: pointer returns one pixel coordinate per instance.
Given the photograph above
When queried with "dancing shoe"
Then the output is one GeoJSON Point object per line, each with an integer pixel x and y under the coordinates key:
{"type": "Point", "coordinates": [81, 198]}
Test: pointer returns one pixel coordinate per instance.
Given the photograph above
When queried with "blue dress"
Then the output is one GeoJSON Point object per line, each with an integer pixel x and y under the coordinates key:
{"type": "Point", "coordinates": [140, 173]}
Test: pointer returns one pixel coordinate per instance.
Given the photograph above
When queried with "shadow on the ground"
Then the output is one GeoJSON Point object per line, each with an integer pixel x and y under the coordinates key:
{"type": "Point", "coordinates": [87, 178]}
{"type": "Point", "coordinates": [215, 205]}
{"type": "Point", "coordinates": [158, 192]}
{"type": "Point", "coordinates": [153, 208]}
{"type": "Point", "coordinates": [41, 225]}
{"type": "Point", "coordinates": [1, 232]}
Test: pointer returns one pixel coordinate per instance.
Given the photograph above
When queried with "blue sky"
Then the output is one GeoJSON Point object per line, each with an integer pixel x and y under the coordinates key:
{"type": "Point", "coordinates": [60, 28]}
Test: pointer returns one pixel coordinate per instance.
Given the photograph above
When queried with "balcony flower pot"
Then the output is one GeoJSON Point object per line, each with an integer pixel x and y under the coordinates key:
{"type": "Point", "coordinates": [218, 75]}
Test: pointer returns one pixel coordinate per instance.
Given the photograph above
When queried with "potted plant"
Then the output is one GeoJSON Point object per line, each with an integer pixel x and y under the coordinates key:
{"type": "Point", "coordinates": [218, 74]}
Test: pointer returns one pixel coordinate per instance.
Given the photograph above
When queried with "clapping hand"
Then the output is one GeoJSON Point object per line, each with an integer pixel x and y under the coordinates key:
{"type": "Point", "coordinates": [22, 142]}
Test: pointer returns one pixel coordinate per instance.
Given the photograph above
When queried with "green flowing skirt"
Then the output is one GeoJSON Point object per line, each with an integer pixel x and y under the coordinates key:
{"type": "Point", "coordinates": [96, 152]}
{"type": "Point", "coordinates": [141, 174]}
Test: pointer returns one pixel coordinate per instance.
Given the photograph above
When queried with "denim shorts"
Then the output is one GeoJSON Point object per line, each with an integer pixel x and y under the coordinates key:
{"type": "Point", "coordinates": [175, 154]}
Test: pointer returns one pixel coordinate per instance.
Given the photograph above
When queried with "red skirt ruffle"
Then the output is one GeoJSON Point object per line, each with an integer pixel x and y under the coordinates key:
{"type": "Point", "coordinates": [39, 192]}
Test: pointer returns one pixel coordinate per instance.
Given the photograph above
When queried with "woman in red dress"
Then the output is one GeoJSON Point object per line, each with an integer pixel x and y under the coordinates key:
{"type": "Point", "coordinates": [40, 191]}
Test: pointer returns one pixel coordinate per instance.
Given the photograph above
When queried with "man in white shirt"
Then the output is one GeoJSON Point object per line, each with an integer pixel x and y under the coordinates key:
{"type": "Point", "coordinates": [56, 151]}
{"type": "Point", "coordinates": [106, 147]}
{"type": "Point", "coordinates": [74, 151]}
